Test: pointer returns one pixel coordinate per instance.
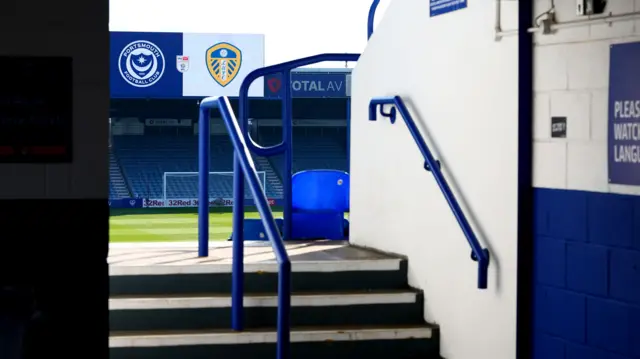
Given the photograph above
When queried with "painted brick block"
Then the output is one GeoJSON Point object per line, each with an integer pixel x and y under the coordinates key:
{"type": "Point", "coordinates": [582, 352]}
{"type": "Point", "coordinates": [608, 326]}
{"type": "Point", "coordinates": [567, 215]}
{"type": "Point", "coordinates": [625, 275]}
{"type": "Point", "coordinates": [588, 74]}
{"type": "Point", "coordinates": [616, 356]}
{"type": "Point", "coordinates": [634, 319]}
{"type": "Point", "coordinates": [541, 200]}
{"type": "Point", "coordinates": [610, 219]}
{"type": "Point", "coordinates": [636, 222]}
{"type": "Point", "coordinates": [587, 268]}
{"type": "Point", "coordinates": [560, 313]}
{"type": "Point", "coordinates": [546, 347]}
{"type": "Point", "coordinates": [550, 254]}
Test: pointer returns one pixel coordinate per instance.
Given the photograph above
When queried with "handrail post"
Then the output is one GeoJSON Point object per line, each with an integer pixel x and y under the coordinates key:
{"type": "Point", "coordinates": [237, 261]}
{"type": "Point", "coordinates": [483, 268]}
{"type": "Point", "coordinates": [203, 178]}
{"type": "Point", "coordinates": [260, 198]}
{"type": "Point", "coordinates": [284, 310]}
{"type": "Point", "coordinates": [287, 139]}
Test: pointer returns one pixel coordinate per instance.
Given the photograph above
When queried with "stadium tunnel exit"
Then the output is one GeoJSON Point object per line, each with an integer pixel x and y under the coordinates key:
{"type": "Point", "coordinates": [542, 190]}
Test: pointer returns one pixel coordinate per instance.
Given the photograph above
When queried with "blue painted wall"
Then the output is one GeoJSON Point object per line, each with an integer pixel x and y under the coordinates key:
{"type": "Point", "coordinates": [587, 275]}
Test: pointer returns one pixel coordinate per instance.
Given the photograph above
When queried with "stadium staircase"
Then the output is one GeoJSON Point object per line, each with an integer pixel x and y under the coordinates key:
{"type": "Point", "coordinates": [341, 309]}
{"type": "Point", "coordinates": [116, 179]}
{"type": "Point", "coordinates": [273, 180]}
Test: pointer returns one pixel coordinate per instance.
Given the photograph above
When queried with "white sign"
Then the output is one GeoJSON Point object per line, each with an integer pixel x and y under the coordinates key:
{"type": "Point", "coordinates": [218, 63]}
{"type": "Point", "coordinates": [182, 63]}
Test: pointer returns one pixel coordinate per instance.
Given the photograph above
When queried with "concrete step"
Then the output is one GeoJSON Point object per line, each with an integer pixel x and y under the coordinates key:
{"type": "Point", "coordinates": [139, 277]}
{"type": "Point", "coordinates": [403, 342]}
{"type": "Point", "coordinates": [211, 311]}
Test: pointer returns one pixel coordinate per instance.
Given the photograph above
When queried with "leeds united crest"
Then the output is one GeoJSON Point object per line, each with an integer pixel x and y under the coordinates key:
{"type": "Point", "coordinates": [182, 64]}
{"type": "Point", "coordinates": [223, 62]}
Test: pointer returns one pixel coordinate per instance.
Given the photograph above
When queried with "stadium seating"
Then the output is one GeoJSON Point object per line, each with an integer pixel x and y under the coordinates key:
{"type": "Point", "coordinates": [112, 191]}
{"type": "Point", "coordinates": [145, 158]}
{"type": "Point", "coordinates": [313, 147]}
{"type": "Point", "coordinates": [117, 185]}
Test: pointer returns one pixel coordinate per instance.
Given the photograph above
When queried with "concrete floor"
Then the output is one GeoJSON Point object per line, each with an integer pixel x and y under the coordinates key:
{"type": "Point", "coordinates": [146, 254]}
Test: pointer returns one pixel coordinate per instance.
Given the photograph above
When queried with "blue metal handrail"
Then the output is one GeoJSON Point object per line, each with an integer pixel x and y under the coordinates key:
{"type": "Point", "coordinates": [285, 147]}
{"type": "Point", "coordinates": [479, 254]}
{"type": "Point", "coordinates": [245, 162]}
{"type": "Point", "coordinates": [372, 16]}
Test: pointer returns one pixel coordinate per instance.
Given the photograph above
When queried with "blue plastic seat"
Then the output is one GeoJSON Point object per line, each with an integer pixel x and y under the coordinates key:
{"type": "Point", "coordinates": [320, 199]}
{"type": "Point", "coordinates": [320, 191]}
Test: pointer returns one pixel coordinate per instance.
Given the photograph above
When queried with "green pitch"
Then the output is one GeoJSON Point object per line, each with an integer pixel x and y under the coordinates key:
{"type": "Point", "coordinates": [169, 225]}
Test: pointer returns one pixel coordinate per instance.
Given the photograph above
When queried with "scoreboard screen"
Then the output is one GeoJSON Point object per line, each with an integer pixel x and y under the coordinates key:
{"type": "Point", "coordinates": [36, 109]}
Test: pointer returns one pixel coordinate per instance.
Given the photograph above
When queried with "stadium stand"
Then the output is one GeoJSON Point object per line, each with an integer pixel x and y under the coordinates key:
{"type": "Point", "coordinates": [144, 160]}
{"type": "Point", "coordinates": [313, 147]}
{"type": "Point", "coordinates": [117, 184]}
{"type": "Point", "coordinates": [139, 161]}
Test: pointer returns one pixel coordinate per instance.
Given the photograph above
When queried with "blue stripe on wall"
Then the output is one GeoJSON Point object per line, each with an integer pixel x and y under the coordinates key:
{"type": "Point", "coordinates": [586, 275]}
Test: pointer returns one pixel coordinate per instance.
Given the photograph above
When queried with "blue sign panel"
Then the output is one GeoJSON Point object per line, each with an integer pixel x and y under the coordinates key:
{"type": "Point", "coordinates": [309, 85]}
{"type": "Point", "coordinates": [439, 7]}
{"type": "Point", "coordinates": [125, 203]}
{"type": "Point", "coordinates": [143, 65]}
{"type": "Point", "coordinates": [624, 114]}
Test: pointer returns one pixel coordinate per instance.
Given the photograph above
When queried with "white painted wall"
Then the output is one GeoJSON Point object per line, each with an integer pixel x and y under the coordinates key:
{"type": "Point", "coordinates": [461, 87]}
{"type": "Point", "coordinates": [571, 79]}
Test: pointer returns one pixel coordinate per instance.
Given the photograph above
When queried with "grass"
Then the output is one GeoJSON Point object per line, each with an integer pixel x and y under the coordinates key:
{"type": "Point", "coordinates": [170, 224]}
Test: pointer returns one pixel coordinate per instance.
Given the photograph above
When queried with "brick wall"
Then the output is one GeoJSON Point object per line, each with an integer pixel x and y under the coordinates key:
{"type": "Point", "coordinates": [587, 275]}
{"type": "Point", "coordinates": [572, 80]}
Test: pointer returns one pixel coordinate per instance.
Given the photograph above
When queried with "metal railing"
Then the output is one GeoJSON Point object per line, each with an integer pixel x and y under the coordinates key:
{"type": "Point", "coordinates": [245, 163]}
{"type": "Point", "coordinates": [372, 16]}
{"type": "Point", "coordinates": [479, 254]}
{"type": "Point", "coordinates": [285, 148]}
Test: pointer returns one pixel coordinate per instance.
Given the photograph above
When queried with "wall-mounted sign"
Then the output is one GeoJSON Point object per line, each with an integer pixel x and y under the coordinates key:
{"type": "Point", "coordinates": [36, 109]}
{"type": "Point", "coordinates": [624, 114]}
{"type": "Point", "coordinates": [309, 85]}
{"type": "Point", "coordinates": [175, 65]}
{"type": "Point", "coordinates": [439, 7]}
{"type": "Point", "coordinates": [558, 127]}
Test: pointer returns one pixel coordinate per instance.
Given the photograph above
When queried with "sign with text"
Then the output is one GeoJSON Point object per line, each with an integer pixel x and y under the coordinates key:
{"type": "Point", "coordinates": [558, 127]}
{"type": "Point", "coordinates": [439, 7]}
{"type": "Point", "coordinates": [309, 85]}
{"type": "Point", "coordinates": [193, 202]}
{"type": "Point", "coordinates": [624, 114]}
{"type": "Point", "coordinates": [36, 105]}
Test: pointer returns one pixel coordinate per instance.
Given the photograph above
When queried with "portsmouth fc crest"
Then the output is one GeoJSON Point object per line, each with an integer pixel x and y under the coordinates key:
{"type": "Point", "coordinates": [182, 64]}
{"type": "Point", "coordinates": [223, 62]}
{"type": "Point", "coordinates": [141, 63]}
